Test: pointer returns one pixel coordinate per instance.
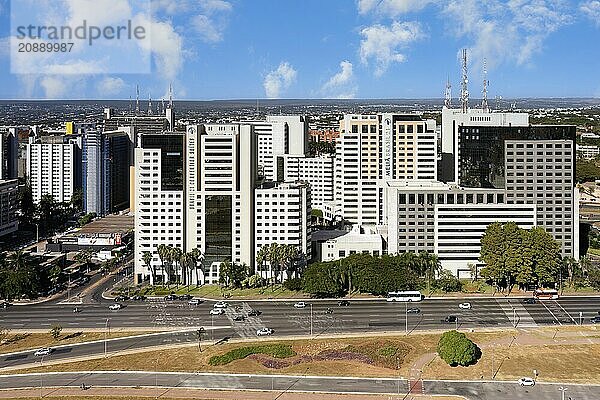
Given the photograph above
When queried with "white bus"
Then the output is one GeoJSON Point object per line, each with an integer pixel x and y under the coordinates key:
{"type": "Point", "coordinates": [409, 296]}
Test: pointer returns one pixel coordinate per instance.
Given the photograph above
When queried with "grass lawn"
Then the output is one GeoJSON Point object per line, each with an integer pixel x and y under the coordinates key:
{"type": "Point", "coordinates": [230, 395]}
{"type": "Point", "coordinates": [216, 292]}
{"type": "Point", "coordinates": [595, 252]}
{"type": "Point", "coordinates": [12, 342]}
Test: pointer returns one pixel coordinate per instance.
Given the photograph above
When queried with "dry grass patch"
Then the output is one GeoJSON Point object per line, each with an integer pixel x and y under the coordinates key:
{"type": "Point", "coordinates": [12, 342]}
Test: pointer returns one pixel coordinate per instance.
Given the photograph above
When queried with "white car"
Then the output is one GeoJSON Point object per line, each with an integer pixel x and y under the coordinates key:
{"type": "Point", "coordinates": [300, 304]}
{"type": "Point", "coordinates": [264, 332]}
{"type": "Point", "coordinates": [221, 304]}
{"type": "Point", "coordinates": [526, 382]}
{"type": "Point", "coordinates": [115, 306]}
{"type": "Point", "coordinates": [43, 352]}
{"type": "Point", "coordinates": [464, 306]}
{"type": "Point", "coordinates": [217, 311]}
{"type": "Point", "coordinates": [194, 302]}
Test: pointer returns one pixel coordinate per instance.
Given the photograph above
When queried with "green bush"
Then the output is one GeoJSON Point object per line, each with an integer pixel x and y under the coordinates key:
{"type": "Point", "coordinates": [457, 349]}
{"type": "Point", "coordinates": [273, 350]}
{"type": "Point", "coordinates": [294, 284]}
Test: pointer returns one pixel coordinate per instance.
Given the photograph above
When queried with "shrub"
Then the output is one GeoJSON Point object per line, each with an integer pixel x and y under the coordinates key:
{"type": "Point", "coordinates": [55, 331]}
{"type": "Point", "coordinates": [456, 349]}
{"type": "Point", "coordinates": [294, 284]}
{"type": "Point", "coordinates": [273, 350]}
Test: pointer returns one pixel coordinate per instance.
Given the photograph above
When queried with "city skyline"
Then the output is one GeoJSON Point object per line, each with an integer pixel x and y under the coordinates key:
{"type": "Point", "coordinates": [341, 49]}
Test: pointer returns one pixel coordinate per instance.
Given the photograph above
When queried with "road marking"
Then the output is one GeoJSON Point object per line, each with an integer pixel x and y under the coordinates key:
{"type": "Point", "coordinates": [551, 313]}
{"type": "Point", "coordinates": [566, 312]}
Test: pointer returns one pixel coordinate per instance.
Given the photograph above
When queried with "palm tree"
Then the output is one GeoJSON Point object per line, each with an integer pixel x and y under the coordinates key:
{"type": "Point", "coordinates": [184, 261]}
{"type": "Point", "coordinates": [163, 254]}
{"type": "Point", "coordinates": [261, 257]}
{"type": "Point", "coordinates": [290, 254]}
{"type": "Point", "coordinates": [84, 257]}
{"type": "Point", "coordinates": [147, 259]}
{"type": "Point", "coordinates": [176, 258]}
{"type": "Point", "coordinates": [430, 263]}
{"type": "Point", "coordinates": [275, 252]}
{"type": "Point", "coordinates": [198, 263]}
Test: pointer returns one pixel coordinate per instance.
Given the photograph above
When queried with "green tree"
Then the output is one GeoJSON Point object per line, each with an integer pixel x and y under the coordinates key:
{"type": "Point", "coordinates": [55, 331]}
{"type": "Point", "coordinates": [86, 219]}
{"type": "Point", "coordinates": [163, 255]}
{"type": "Point", "coordinates": [84, 257]}
{"type": "Point", "coordinates": [448, 282]}
{"type": "Point", "coordinates": [77, 200]}
{"type": "Point", "coordinates": [27, 205]}
{"type": "Point", "coordinates": [320, 280]}
{"type": "Point", "coordinates": [147, 259]}
{"type": "Point", "coordinates": [455, 348]}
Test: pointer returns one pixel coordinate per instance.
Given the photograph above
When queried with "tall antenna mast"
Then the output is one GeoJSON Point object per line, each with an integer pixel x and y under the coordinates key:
{"type": "Point", "coordinates": [448, 94]}
{"type": "Point", "coordinates": [137, 99]}
{"type": "Point", "coordinates": [464, 90]}
{"type": "Point", "coordinates": [149, 104]}
{"type": "Point", "coordinates": [484, 101]}
{"type": "Point", "coordinates": [130, 105]}
{"type": "Point", "coordinates": [170, 95]}
{"type": "Point", "coordinates": [162, 106]}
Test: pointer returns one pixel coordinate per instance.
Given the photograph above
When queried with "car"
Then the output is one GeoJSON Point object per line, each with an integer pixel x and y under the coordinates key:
{"type": "Point", "coordinates": [46, 351]}
{"type": "Point", "coordinates": [344, 303]}
{"type": "Point", "coordinates": [464, 306]}
{"type": "Point", "coordinates": [121, 297]}
{"type": "Point", "coordinates": [300, 304]}
{"type": "Point", "coordinates": [217, 311]}
{"type": "Point", "coordinates": [595, 320]}
{"type": "Point", "coordinates": [186, 297]}
{"type": "Point", "coordinates": [194, 302]}
{"type": "Point", "coordinates": [116, 306]}
{"type": "Point", "coordinates": [450, 318]}
{"type": "Point", "coordinates": [171, 297]}
{"type": "Point", "coordinates": [239, 318]}
{"type": "Point", "coordinates": [77, 310]}
{"type": "Point", "coordinates": [221, 304]}
{"type": "Point", "coordinates": [525, 381]}
{"type": "Point", "coordinates": [413, 310]}
{"type": "Point", "coordinates": [529, 300]}
{"type": "Point", "coordinates": [264, 332]}
{"type": "Point", "coordinates": [254, 313]}
{"type": "Point", "coordinates": [4, 304]}
{"type": "Point", "coordinates": [138, 297]}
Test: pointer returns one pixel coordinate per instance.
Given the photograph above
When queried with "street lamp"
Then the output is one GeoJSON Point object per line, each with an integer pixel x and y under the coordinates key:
{"type": "Point", "coordinates": [406, 318]}
{"type": "Point", "coordinates": [107, 327]}
{"type": "Point", "coordinates": [311, 321]}
{"type": "Point", "coordinates": [562, 390]}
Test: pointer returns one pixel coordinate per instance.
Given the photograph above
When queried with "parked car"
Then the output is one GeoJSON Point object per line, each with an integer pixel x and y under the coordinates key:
{"type": "Point", "coordinates": [529, 300]}
{"type": "Point", "coordinates": [413, 310]}
{"type": "Point", "coordinates": [186, 297]}
{"type": "Point", "coordinates": [464, 306]}
{"type": "Point", "coordinates": [77, 310]}
{"type": "Point", "coordinates": [194, 302]}
{"type": "Point", "coordinates": [239, 318]}
{"type": "Point", "coordinates": [595, 319]}
{"type": "Point", "coordinates": [525, 381]}
{"type": "Point", "coordinates": [138, 297]}
{"type": "Point", "coordinates": [254, 313]}
{"type": "Point", "coordinates": [171, 297]}
{"type": "Point", "coordinates": [4, 304]}
{"type": "Point", "coordinates": [116, 306]}
{"type": "Point", "coordinates": [450, 318]}
{"type": "Point", "coordinates": [121, 297]}
{"type": "Point", "coordinates": [221, 304]}
{"type": "Point", "coordinates": [217, 311]}
{"type": "Point", "coordinates": [264, 332]}
{"type": "Point", "coordinates": [343, 303]}
{"type": "Point", "coordinates": [43, 352]}
{"type": "Point", "coordinates": [300, 304]}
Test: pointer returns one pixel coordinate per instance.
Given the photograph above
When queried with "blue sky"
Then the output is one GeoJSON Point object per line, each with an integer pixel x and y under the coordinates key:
{"type": "Point", "coordinates": [231, 49]}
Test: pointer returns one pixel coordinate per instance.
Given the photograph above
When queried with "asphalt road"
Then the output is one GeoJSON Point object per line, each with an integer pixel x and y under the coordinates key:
{"type": "Point", "coordinates": [278, 383]}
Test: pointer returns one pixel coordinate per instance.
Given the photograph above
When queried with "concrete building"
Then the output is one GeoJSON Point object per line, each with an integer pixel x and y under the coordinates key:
{"type": "Point", "coordinates": [283, 213]}
{"type": "Point", "coordinates": [359, 240]}
{"type": "Point", "coordinates": [297, 131]}
{"type": "Point", "coordinates": [159, 201]}
{"type": "Point", "coordinates": [105, 163]}
{"type": "Point", "coordinates": [588, 152]}
{"type": "Point", "coordinates": [318, 172]}
{"type": "Point", "coordinates": [272, 141]}
{"type": "Point", "coordinates": [9, 153]}
{"type": "Point", "coordinates": [9, 204]}
{"type": "Point", "coordinates": [54, 166]}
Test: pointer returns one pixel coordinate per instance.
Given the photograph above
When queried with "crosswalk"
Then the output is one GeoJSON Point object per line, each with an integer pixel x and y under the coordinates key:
{"type": "Point", "coordinates": [516, 313]}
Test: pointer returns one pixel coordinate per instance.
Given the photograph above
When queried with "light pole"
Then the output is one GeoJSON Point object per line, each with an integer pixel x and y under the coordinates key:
{"type": "Point", "coordinates": [562, 394]}
{"type": "Point", "coordinates": [580, 318]}
{"type": "Point", "coordinates": [398, 373]}
{"type": "Point", "coordinates": [456, 322]}
{"type": "Point", "coordinates": [37, 234]}
{"type": "Point", "coordinates": [106, 328]}
{"type": "Point", "coordinates": [406, 318]}
{"type": "Point", "coordinates": [514, 317]}
{"type": "Point", "coordinates": [41, 377]}
{"type": "Point", "coordinates": [311, 321]}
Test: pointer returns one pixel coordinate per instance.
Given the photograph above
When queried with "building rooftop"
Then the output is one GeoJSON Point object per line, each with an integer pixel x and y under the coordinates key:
{"type": "Point", "coordinates": [111, 224]}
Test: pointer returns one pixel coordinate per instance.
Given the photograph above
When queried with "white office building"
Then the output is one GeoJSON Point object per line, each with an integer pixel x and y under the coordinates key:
{"type": "Point", "coordinates": [317, 172]}
{"type": "Point", "coordinates": [359, 240]}
{"type": "Point", "coordinates": [54, 167]}
{"type": "Point", "coordinates": [587, 151]}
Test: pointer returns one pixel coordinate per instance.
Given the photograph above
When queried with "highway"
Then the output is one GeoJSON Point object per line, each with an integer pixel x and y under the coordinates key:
{"type": "Point", "coordinates": [495, 390]}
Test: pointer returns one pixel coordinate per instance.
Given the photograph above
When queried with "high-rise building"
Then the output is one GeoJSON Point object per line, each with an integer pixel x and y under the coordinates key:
{"type": "Point", "coordinates": [9, 204]}
{"type": "Point", "coordinates": [54, 166]}
{"type": "Point", "coordinates": [297, 132]}
{"type": "Point", "coordinates": [9, 153]}
{"type": "Point", "coordinates": [105, 162]}
{"type": "Point", "coordinates": [272, 141]}
{"type": "Point", "coordinates": [318, 172]}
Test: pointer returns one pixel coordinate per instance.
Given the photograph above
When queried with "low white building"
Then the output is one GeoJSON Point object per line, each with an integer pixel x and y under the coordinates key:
{"type": "Point", "coordinates": [588, 152]}
{"type": "Point", "coordinates": [341, 244]}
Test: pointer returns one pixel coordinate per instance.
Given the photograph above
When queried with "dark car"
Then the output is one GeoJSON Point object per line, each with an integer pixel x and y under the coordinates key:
{"type": "Point", "coordinates": [4, 304]}
{"type": "Point", "coordinates": [138, 297]}
{"type": "Point", "coordinates": [413, 310]}
{"type": "Point", "coordinates": [171, 297]}
{"type": "Point", "coordinates": [529, 300]}
{"type": "Point", "coordinates": [344, 303]}
{"type": "Point", "coordinates": [595, 320]}
{"type": "Point", "coordinates": [254, 313]}
{"type": "Point", "coordinates": [121, 297]}
{"type": "Point", "coordinates": [450, 318]}
{"type": "Point", "coordinates": [239, 318]}
{"type": "Point", "coordinates": [186, 297]}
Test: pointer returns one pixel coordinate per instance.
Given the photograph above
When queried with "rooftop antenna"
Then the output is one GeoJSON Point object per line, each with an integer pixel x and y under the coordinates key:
{"type": "Point", "coordinates": [448, 94]}
{"type": "Point", "coordinates": [170, 95]}
{"type": "Point", "coordinates": [484, 101]}
{"type": "Point", "coordinates": [464, 90]}
{"type": "Point", "coordinates": [257, 112]}
{"type": "Point", "coordinates": [149, 104]}
{"type": "Point", "coordinates": [162, 106]}
{"type": "Point", "coordinates": [498, 100]}
{"type": "Point", "coordinates": [137, 99]}
{"type": "Point", "coordinates": [130, 106]}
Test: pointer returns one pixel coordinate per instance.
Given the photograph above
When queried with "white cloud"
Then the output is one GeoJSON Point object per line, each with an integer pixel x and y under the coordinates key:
{"type": "Point", "coordinates": [591, 9]}
{"type": "Point", "coordinates": [279, 79]}
{"type": "Point", "coordinates": [110, 86]}
{"type": "Point", "coordinates": [392, 7]}
{"type": "Point", "coordinates": [382, 43]}
{"type": "Point", "coordinates": [339, 85]}
{"type": "Point", "coordinates": [55, 87]}
{"type": "Point", "coordinates": [213, 20]}
{"type": "Point", "coordinates": [166, 46]}
{"type": "Point", "coordinates": [213, 6]}
{"type": "Point", "coordinates": [208, 29]}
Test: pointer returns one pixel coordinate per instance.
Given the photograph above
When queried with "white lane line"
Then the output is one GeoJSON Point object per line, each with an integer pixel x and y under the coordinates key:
{"type": "Point", "coordinates": [551, 313]}
{"type": "Point", "coordinates": [566, 312]}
